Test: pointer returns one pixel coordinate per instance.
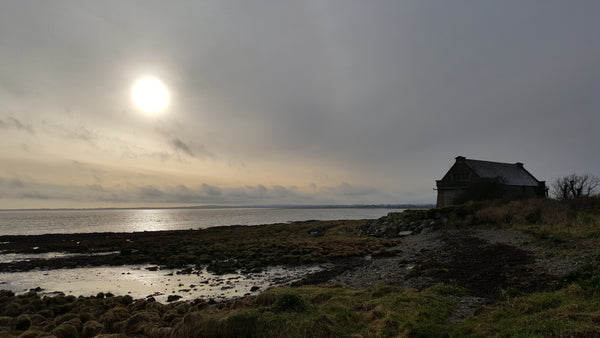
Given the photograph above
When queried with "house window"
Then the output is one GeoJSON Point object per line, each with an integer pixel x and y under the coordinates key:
{"type": "Point", "coordinates": [461, 177]}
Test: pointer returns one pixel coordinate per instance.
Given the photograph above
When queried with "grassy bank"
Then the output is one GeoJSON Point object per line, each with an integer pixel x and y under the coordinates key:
{"type": "Point", "coordinates": [565, 228]}
{"type": "Point", "coordinates": [568, 312]}
{"type": "Point", "coordinates": [309, 311]}
{"type": "Point", "coordinates": [294, 312]}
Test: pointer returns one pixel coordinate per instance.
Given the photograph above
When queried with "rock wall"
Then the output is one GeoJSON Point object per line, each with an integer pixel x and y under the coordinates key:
{"type": "Point", "coordinates": [418, 221]}
{"type": "Point", "coordinates": [398, 224]}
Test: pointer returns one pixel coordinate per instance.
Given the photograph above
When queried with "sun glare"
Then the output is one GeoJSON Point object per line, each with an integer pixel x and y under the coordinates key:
{"type": "Point", "coordinates": [150, 95]}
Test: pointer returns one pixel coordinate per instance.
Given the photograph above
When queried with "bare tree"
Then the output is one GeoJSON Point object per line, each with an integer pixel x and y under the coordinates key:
{"type": "Point", "coordinates": [575, 186]}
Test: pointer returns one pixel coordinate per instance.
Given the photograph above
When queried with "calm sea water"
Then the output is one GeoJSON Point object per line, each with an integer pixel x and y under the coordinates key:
{"type": "Point", "coordinates": [130, 220]}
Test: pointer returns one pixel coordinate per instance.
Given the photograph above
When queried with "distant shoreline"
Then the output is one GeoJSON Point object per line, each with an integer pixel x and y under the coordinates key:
{"type": "Point", "coordinates": [274, 206]}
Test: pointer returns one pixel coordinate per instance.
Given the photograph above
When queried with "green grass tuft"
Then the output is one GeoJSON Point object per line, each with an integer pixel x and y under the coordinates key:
{"type": "Point", "coordinates": [290, 302]}
{"type": "Point", "coordinates": [587, 277]}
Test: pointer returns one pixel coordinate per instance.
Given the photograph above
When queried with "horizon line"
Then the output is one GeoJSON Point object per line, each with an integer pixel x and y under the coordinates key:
{"type": "Point", "coordinates": [249, 206]}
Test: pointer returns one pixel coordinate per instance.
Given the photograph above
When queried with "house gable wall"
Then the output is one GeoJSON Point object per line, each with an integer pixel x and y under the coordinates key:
{"type": "Point", "coordinates": [459, 175]}
{"type": "Point", "coordinates": [447, 196]}
{"type": "Point", "coordinates": [454, 183]}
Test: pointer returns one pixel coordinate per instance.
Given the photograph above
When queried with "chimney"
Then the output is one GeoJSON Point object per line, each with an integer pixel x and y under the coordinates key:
{"type": "Point", "coordinates": [460, 158]}
{"type": "Point", "coordinates": [519, 164]}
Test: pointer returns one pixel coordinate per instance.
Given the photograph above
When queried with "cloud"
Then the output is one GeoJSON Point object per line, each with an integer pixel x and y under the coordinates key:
{"type": "Point", "coordinates": [346, 189]}
{"type": "Point", "coordinates": [14, 123]}
{"type": "Point", "coordinates": [199, 151]}
{"type": "Point", "coordinates": [211, 190]}
{"type": "Point", "coordinates": [179, 145]}
{"type": "Point", "coordinates": [80, 131]}
{"type": "Point", "coordinates": [181, 194]}
{"type": "Point", "coordinates": [11, 183]}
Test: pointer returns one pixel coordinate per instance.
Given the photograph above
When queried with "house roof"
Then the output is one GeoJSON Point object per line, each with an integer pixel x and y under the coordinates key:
{"type": "Point", "coordinates": [511, 173]}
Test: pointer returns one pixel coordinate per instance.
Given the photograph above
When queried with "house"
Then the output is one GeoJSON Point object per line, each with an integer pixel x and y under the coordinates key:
{"type": "Point", "coordinates": [475, 179]}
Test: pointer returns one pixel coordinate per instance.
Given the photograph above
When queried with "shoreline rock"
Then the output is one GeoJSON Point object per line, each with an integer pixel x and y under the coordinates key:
{"type": "Point", "coordinates": [400, 224]}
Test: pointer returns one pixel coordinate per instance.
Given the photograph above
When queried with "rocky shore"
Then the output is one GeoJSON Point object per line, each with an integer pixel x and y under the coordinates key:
{"type": "Point", "coordinates": [480, 260]}
{"type": "Point", "coordinates": [416, 250]}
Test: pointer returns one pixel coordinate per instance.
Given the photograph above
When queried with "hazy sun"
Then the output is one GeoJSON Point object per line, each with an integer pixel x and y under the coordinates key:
{"type": "Point", "coordinates": [150, 95]}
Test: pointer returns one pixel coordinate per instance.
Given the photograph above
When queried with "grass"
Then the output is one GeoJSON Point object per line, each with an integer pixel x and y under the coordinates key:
{"type": "Point", "coordinates": [310, 311]}
{"type": "Point", "coordinates": [565, 228]}
{"type": "Point", "coordinates": [321, 311]}
{"type": "Point", "coordinates": [569, 312]}
{"type": "Point", "coordinates": [573, 218]}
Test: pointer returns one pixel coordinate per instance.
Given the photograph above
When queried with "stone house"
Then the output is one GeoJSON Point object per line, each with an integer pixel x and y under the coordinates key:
{"type": "Point", "coordinates": [508, 180]}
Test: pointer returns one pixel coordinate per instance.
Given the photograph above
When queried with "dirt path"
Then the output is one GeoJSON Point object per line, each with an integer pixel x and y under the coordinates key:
{"type": "Point", "coordinates": [482, 261]}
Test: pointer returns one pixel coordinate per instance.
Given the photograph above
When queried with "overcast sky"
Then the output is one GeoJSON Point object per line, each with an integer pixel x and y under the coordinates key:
{"type": "Point", "coordinates": [289, 102]}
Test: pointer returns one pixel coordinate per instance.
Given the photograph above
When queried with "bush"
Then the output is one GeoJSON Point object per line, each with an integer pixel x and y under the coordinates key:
{"type": "Point", "coordinates": [575, 186]}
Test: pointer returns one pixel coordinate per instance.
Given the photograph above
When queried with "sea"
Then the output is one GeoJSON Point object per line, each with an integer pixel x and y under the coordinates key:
{"type": "Point", "coordinates": [36, 222]}
{"type": "Point", "coordinates": [141, 280]}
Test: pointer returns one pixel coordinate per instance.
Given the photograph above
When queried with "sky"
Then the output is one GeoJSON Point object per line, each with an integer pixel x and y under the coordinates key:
{"type": "Point", "coordinates": [289, 102]}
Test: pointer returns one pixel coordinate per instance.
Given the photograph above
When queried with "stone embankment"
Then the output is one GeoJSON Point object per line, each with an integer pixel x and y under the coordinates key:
{"type": "Point", "coordinates": [422, 221]}
{"type": "Point", "coordinates": [399, 224]}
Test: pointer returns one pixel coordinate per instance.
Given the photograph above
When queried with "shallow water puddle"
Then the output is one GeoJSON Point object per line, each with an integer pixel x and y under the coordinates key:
{"type": "Point", "coordinates": [16, 257]}
{"type": "Point", "coordinates": [139, 282]}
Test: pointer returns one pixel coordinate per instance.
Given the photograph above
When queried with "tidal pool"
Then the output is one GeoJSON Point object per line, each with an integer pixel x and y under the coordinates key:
{"type": "Point", "coordinates": [140, 281]}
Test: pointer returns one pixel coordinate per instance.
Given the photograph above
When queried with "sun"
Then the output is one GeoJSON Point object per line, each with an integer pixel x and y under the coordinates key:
{"type": "Point", "coordinates": [150, 95]}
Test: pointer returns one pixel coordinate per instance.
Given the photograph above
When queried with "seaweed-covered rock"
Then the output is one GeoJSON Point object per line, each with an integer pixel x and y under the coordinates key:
{"type": "Point", "coordinates": [113, 316]}
{"type": "Point", "coordinates": [6, 294]}
{"type": "Point", "coordinates": [126, 300]}
{"type": "Point", "coordinates": [5, 321]}
{"type": "Point", "coordinates": [141, 321]}
{"type": "Point", "coordinates": [12, 309]}
{"type": "Point", "coordinates": [159, 332]}
{"type": "Point", "coordinates": [92, 328]}
{"type": "Point", "coordinates": [47, 313]}
{"type": "Point", "coordinates": [65, 330]}
{"type": "Point", "coordinates": [32, 333]}
{"type": "Point", "coordinates": [173, 298]}
{"type": "Point", "coordinates": [22, 322]}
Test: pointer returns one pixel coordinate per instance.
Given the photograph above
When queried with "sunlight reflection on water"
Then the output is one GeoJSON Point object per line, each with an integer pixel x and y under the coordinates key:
{"type": "Point", "coordinates": [33, 222]}
{"type": "Point", "coordinates": [16, 257]}
{"type": "Point", "coordinates": [139, 282]}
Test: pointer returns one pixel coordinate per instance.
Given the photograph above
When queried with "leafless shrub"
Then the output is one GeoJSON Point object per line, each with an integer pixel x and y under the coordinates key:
{"type": "Point", "coordinates": [574, 186]}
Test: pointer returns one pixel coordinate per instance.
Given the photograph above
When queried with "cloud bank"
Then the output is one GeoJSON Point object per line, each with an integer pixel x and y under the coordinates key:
{"type": "Point", "coordinates": [13, 189]}
{"type": "Point", "coordinates": [298, 102]}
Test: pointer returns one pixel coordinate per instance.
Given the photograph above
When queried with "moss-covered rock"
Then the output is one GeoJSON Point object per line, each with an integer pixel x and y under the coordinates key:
{"type": "Point", "coordinates": [5, 321]}
{"type": "Point", "coordinates": [142, 321]}
{"type": "Point", "coordinates": [92, 328]}
{"type": "Point", "coordinates": [65, 330]}
{"type": "Point", "coordinates": [32, 333]}
{"type": "Point", "coordinates": [112, 317]}
{"type": "Point", "coordinates": [22, 322]}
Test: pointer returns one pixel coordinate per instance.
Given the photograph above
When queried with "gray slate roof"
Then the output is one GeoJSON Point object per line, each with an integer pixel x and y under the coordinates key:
{"type": "Point", "coordinates": [511, 173]}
